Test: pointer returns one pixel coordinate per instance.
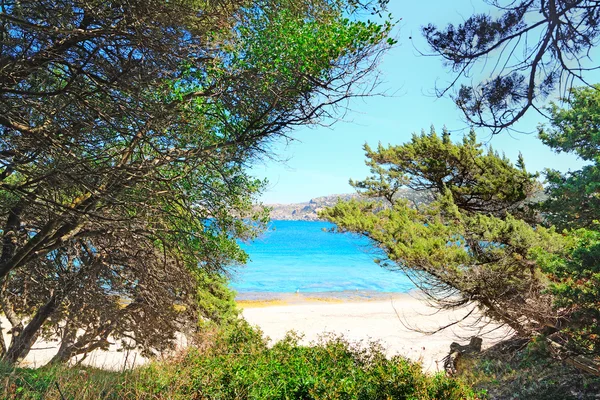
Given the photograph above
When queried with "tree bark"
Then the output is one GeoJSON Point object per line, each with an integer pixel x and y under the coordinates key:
{"type": "Point", "coordinates": [66, 345]}
{"type": "Point", "coordinates": [21, 345]}
{"type": "Point", "coordinates": [578, 361]}
{"type": "Point", "coordinates": [9, 238]}
{"type": "Point", "coordinates": [86, 343]}
{"type": "Point", "coordinates": [2, 342]}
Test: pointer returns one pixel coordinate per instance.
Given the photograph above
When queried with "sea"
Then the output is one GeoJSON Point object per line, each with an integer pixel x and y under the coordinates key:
{"type": "Point", "coordinates": [304, 257]}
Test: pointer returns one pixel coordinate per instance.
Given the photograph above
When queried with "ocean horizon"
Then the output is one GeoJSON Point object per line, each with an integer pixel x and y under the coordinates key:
{"type": "Point", "coordinates": [304, 257]}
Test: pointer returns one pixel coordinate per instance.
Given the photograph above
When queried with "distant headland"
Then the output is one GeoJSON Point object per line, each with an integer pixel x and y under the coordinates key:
{"type": "Point", "coordinates": [309, 210]}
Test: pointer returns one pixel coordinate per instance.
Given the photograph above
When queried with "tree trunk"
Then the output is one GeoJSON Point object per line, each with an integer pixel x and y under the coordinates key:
{"type": "Point", "coordinates": [9, 238]}
{"type": "Point", "coordinates": [85, 344]}
{"type": "Point", "coordinates": [21, 345]}
{"type": "Point", "coordinates": [15, 321]}
{"type": "Point", "coordinates": [66, 343]}
{"type": "Point", "coordinates": [16, 325]}
{"type": "Point", "coordinates": [2, 342]}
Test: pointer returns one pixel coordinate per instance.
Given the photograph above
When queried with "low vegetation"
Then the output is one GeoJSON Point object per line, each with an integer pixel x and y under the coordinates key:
{"type": "Point", "coordinates": [519, 369]}
{"type": "Point", "coordinates": [236, 363]}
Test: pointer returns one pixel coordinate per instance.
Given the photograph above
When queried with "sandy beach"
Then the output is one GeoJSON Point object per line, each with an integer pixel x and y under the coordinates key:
{"type": "Point", "coordinates": [43, 351]}
{"type": "Point", "coordinates": [391, 319]}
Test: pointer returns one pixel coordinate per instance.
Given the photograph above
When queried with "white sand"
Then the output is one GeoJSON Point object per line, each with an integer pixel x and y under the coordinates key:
{"type": "Point", "coordinates": [376, 320]}
{"type": "Point", "coordinates": [357, 320]}
{"type": "Point", "coordinates": [115, 358]}
{"type": "Point", "coordinates": [43, 351]}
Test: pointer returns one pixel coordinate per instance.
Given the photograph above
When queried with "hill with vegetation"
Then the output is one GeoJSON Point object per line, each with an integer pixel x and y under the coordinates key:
{"type": "Point", "coordinates": [309, 211]}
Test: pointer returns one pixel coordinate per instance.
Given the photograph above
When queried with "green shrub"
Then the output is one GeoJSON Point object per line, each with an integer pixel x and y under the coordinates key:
{"type": "Point", "coordinates": [238, 364]}
{"type": "Point", "coordinates": [575, 286]}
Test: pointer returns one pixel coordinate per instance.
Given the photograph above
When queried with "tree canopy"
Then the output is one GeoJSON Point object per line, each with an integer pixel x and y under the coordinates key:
{"type": "Point", "coordinates": [534, 47]}
{"type": "Point", "coordinates": [478, 180]}
{"type": "Point", "coordinates": [470, 245]}
{"type": "Point", "coordinates": [574, 196]}
{"type": "Point", "coordinates": [125, 131]}
{"type": "Point", "coordinates": [486, 239]}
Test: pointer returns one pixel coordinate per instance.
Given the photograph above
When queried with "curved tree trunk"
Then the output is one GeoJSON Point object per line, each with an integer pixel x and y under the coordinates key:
{"type": "Point", "coordinates": [66, 343]}
{"type": "Point", "coordinates": [72, 345]}
{"type": "Point", "coordinates": [21, 344]}
{"type": "Point", "coordinates": [2, 342]}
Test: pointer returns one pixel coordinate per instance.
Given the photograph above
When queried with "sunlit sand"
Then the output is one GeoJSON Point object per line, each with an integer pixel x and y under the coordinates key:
{"type": "Point", "coordinates": [397, 321]}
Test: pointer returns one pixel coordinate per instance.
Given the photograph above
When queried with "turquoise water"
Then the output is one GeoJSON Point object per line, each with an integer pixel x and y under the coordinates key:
{"type": "Point", "coordinates": [298, 256]}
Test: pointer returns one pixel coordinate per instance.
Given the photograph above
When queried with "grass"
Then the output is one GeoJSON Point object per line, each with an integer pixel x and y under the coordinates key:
{"type": "Point", "coordinates": [518, 369]}
{"type": "Point", "coordinates": [59, 382]}
{"type": "Point", "coordinates": [236, 363]}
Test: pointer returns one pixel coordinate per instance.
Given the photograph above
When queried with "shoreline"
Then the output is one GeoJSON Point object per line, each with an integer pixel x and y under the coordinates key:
{"type": "Point", "coordinates": [264, 299]}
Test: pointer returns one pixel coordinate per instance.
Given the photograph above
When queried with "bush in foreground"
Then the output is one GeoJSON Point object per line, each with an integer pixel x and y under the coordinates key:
{"type": "Point", "coordinates": [518, 369]}
{"type": "Point", "coordinates": [238, 364]}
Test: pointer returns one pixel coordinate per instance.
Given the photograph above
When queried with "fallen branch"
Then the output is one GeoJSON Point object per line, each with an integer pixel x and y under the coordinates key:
{"type": "Point", "coordinates": [578, 361]}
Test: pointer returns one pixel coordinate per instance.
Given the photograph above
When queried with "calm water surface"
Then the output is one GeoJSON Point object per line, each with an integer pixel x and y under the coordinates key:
{"type": "Point", "coordinates": [299, 256]}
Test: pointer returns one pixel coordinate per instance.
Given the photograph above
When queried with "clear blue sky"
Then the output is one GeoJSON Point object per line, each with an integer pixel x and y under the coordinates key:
{"type": "Point", "coordinates": [322, 160]}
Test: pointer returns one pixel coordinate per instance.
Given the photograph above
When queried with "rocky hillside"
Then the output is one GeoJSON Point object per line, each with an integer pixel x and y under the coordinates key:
{"type": "Point", "coordinates": [308, 211]}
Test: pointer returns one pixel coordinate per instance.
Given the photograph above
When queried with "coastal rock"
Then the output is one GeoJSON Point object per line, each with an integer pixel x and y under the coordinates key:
{"type": "Point", "coordinates": [309, 211]}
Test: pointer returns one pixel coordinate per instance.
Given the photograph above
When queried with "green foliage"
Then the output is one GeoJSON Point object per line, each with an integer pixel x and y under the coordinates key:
{"type": "Point", "coordinates": [574, 197]}
{"type": "Point", "coordinates": [575, 286]}
{"type": "Point", "coordinates": [576, 128]}
{"type": "Point", "coordinates": [470, 243]}
{"type": "Point", "coordinates": [479, 180]}
{"type": "Point", "coordinates": [216, 302]}
{"type": "Point", "coordinates": [73, 383]}
{"type": "Point", "coordinates": [240, 365]}
{"type": "Point", "coordinates": [301, 47]}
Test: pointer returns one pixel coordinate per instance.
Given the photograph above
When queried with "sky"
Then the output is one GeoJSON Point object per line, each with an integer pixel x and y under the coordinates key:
{"type": "Point", "coordinates": [321, 160]}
